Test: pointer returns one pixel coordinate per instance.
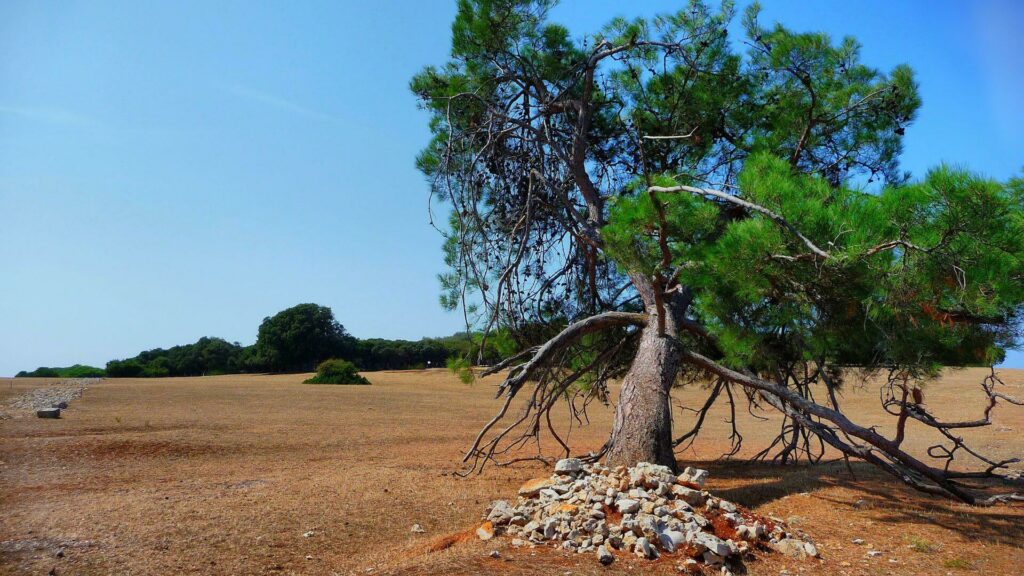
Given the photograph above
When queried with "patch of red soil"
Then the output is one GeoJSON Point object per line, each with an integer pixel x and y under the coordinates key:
{"type": "Point", "coordinates": [448, 540]}
{"type": "Point", "coordinates": [721, 527]}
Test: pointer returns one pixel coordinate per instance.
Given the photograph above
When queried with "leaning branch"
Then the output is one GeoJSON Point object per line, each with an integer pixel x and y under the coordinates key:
{"type": "Point", "coordinates": [546, 364]}
{"type": "Point", "coordinates": [522, 373]}
{"type": "Point", "coordinates": [827, 423]}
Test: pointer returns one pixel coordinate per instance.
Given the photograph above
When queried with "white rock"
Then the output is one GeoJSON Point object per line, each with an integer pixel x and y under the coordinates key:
{"type": "Point", "coordinates": [670, 540]}
{"type": "Point", "coordinates": [500, 512]}
{"type": "Point", "coordinates": [627, 505]}
{"type": "Point", "coordinates": [688, 495]}
{"type": "Point", "coordinates": [710, 542]}
{"type": "Point", "coordinates": [416, 528]}
{"type": "Point", "coordinates": [604, 556]}
{"type": "Point", "coordinates": [568, 466]}
{"type": "Point", "coordinates": [550, 528]}
{"type": "Point", "coordinates": [644, 549]}
{"type": "Point", "coordinates": [548, 494]}
{"type": "Point", "coordinates": [791, 547]}
{"type": "Point", "coordinates": [697, 476]}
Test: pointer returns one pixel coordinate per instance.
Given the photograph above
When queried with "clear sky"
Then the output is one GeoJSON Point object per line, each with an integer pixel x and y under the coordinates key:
{"type": "Point", "coordinates": [171, 170]}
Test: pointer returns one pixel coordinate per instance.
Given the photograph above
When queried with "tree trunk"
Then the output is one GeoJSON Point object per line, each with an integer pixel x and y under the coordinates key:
{"type": "Point", "coordinates": [643, 417]}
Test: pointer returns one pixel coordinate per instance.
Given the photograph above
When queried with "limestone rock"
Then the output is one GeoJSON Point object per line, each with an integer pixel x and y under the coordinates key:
{"type": "Point", "coordinates": [644, 549]}
{"type": "Point", "coordinates": [500, 512]}
{"type": "Point", "coordinates": [568, 466]}
{"type": "Point", "coordinates": [604, 556]}
{"type": "Point", "coordinates": [627, 506]}
{"type": "Point", "coordinates": [670, 540]}
{"type": "Point", "coordinates": [533, 487]}
{"type": "Point", "coordinates": [791, 547]}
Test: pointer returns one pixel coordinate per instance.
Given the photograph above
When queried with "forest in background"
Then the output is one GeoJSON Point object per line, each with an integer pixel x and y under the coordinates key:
{"type": "Point", "coordinates": [293, 340]}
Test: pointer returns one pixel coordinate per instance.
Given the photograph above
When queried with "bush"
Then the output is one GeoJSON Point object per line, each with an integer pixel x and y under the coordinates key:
{"type": "Point", "coordinates": [337, 371]}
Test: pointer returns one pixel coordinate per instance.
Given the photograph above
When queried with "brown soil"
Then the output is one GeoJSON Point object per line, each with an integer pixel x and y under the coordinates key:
{"type": "Point", "coordinates": [226, 475]}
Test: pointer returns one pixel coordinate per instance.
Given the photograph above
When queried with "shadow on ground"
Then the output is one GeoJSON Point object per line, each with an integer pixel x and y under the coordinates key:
{"type": "Point", "coordinates": [756, 484]}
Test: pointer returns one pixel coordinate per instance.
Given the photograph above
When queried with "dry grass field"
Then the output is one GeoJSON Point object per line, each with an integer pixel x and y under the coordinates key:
{"type": "Point", "coordinates": [265, 475]}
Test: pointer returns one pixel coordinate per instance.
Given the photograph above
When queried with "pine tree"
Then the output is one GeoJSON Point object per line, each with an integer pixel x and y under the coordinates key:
{"type": "Point", "coordinates": [673, 205]}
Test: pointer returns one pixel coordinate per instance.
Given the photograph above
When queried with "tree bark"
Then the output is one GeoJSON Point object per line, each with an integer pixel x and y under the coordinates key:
{"type": "Point", "coordinates": [643, 417]}
{"type": "Point", "coordinates": [642, 431]}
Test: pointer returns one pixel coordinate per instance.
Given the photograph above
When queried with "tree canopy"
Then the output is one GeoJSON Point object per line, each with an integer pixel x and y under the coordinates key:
{"type": "Point", "coordinates": [207, 356]}
{"type": "Point", "coordinates": [685, 203]}
{"type": "Point", "coordinates": [298, 338]}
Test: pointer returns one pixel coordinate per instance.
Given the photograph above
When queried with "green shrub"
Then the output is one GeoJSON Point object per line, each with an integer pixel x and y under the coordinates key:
{"type": "Point", "coordinates": [921, 545]}
{"type": "Point", "coordinates": [337, 371]}
{"type": "Point", "coordinates": [958, 563]}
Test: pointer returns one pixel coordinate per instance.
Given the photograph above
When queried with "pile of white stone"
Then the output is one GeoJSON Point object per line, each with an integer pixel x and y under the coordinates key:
{"type": "Point", "coordinates": [645, 510]}
{"type": "Point", "coordinates": [58, 395]}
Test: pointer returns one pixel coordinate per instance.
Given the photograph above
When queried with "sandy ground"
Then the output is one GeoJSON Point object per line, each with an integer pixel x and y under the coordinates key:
{"type": "Point", "coordinates": [265, 475]}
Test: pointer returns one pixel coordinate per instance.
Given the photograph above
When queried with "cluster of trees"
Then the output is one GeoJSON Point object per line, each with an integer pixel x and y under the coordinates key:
{"type": "Point", "coordinates": [206, 356]}
{"type": "Point", "coordinates": [293, 340]}
{"type": "Point", "coordinates": [76, 371]}
{"type": "Point", "coordinates": [381, 354]}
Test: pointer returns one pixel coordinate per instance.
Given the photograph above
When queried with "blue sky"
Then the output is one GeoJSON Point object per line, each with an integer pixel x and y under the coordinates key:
{"type": "Point", "coordinates": [180, 169]}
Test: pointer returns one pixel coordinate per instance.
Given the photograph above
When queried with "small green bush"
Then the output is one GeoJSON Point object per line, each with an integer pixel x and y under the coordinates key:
{"type": "Point", "coordinates": [921, 545]}
{"type": "Point", "coordinates": [957, 563]}
{"type": "Point", "coordinates": [337, 371]}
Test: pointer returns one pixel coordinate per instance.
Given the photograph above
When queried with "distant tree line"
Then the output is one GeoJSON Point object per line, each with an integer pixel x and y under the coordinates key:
{"type": "Point", "coordinates": [76, 371]}
{"type": "Point", "coordinates": [293, 340]}
{"type": "Point", "coordinates": [207, 356]}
